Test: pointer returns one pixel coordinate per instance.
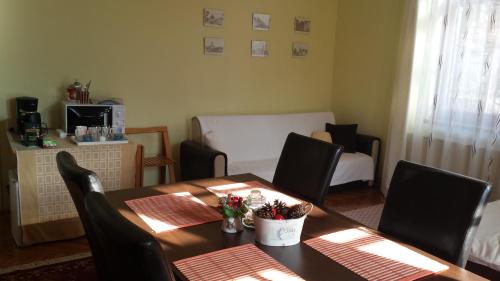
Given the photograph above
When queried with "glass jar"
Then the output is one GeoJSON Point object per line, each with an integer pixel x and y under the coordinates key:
{"type": "Point", "coordinates": [255, 199]}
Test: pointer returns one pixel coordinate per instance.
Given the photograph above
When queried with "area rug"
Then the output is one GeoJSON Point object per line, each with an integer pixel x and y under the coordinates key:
{"type": "Point", "coordinates": [73, 270]}
{"type": "Point", "coordinates": [45, 262]}
{"type": "Point", "coordinates": [368, 216]}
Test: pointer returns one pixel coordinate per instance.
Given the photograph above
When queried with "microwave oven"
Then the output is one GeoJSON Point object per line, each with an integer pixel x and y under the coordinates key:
{"type": "Point", "coordinates": [93, 115]}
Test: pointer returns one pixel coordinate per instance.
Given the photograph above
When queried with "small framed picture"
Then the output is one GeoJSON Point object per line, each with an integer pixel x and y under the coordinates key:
{"type": "Point", "coordinates": [261, 21]}
{"type": "Point", "coordinates": [214, 46]}
{"type": "Point", "coordinates": [302, 25]}
{"type": "Point", "coordinates": [299, 50]}
{"type": "Point", "coordinates": [213, 18]}
{"type": "Point", "coordinates": [259, 48]}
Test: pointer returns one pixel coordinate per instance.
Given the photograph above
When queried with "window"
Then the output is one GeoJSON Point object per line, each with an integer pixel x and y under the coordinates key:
{"type": "Point", "coordinates": [455, 88]}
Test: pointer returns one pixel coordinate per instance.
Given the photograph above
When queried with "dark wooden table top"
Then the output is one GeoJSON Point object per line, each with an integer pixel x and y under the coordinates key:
{"type": "Point", "coordinates": [301, 259]}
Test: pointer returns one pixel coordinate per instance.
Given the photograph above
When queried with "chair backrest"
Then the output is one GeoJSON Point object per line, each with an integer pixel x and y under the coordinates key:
{"type": "Point", "coordinates": [130, 252]}
{"type": "Point", "coordinates": [306, 167]}
{"type": "Point", "coordinates": [434, 210]}
{"type": "Point", "coordinates": [164, 159]}
{"type": "Point", "coordinates": [80, 182]}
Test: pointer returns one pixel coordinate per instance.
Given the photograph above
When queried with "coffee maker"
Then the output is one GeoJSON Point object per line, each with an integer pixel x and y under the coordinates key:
{"type": "Point", "coordinates": [29, 122]}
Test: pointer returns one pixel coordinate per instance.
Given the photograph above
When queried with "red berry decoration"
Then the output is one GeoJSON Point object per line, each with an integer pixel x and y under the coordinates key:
{"type": "Point", "coordinates": [279, 217]}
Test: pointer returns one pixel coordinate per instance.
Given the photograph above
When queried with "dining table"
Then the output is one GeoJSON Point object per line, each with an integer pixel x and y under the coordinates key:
{"type": "Point", "coordinates": [301, 259]}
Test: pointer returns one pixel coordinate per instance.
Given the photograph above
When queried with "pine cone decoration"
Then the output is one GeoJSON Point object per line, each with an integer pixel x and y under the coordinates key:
{"type": "Point", "coordinates": [281, 207]}
{"type": "Point", "coordinates": [296, 211]}
{"type": "Point", "coordinates": [265, 212]}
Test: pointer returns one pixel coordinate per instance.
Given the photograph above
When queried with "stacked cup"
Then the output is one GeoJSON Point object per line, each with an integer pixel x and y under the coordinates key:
{"type": "Point", "coordinates": [81, 133]}
{"type": "Point", "coordinates": [98, 134]}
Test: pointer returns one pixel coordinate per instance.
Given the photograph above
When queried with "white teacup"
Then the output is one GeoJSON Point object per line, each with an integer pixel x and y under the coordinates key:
{"type": "Point", "coordinates": [80, 131]}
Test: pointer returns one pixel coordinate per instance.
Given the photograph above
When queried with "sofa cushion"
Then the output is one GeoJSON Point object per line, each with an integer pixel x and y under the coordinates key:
{"type": "Point", "coordinates": [353, 166]}
{"type": "Point", "coordinates": [256, 137]}
{"type": "Point", "coordinates": [344, 135]}
{"type": "Point", "coordinates": [262, 168]}
{"type": "Point", "coordinates": [358, 166]}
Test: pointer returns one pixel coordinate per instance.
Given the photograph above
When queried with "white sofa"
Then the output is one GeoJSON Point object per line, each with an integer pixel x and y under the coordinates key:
{"type": "Point", "coordinates": [485, 249]}
{"type": "Point", "coordinates": [252, 144]}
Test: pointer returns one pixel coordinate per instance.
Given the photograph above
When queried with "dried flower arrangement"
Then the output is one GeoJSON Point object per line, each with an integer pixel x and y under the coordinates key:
{"type": "Point", "coordinates": [232, 206]}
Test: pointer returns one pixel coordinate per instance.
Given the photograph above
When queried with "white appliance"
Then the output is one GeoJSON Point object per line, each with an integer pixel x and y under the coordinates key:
{"type": "Point", "coordinates": [15, 212]}
{"type": "Point", "coordinates": [109, 113]}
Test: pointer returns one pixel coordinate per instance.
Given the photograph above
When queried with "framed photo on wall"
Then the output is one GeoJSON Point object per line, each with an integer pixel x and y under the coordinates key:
{"type": "Point", "coordinates": [213, 18]}
{"type": "Point", "coordinates": [299, 49]}
{"type": "Point", "coordinates": [261, 21]}
{"type": "Point", "coordinates": [302, 25]}
{"type": "Point", "coordinates": [259, 48]}
{"type": "Point", "coordinates": [213, 46]}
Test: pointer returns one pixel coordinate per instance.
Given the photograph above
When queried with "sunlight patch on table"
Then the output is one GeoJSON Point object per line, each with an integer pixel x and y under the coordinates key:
{"type": "Point", "coordinates": [190, 196]}
{"type": "Point", "coordinates": [157, 225]}
{"type": "Point", "coordinates": [244, 189]}
{"type": "Point", "coordinates": [274, 274]}
{"type": "Point", "coordinates": [345, 236]}
{"type": "Point", "coordinates": [390, 250]}
{"type": "Point", "coordinates": [364, 241]}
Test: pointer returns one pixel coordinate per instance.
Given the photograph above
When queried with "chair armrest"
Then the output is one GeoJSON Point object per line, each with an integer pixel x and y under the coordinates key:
{"type": "Point", "coordinates": [369, 145]}
{"type": "Point", "coordinates": [200, 161]}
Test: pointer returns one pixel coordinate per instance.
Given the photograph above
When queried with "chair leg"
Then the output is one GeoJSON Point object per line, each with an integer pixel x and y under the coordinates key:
{"type": "Point", "coordinates": [171, 173]}
{"type": "Point", "coordinates": [163, 175]}
{"type": "Point", "coordinates": [139, 166]}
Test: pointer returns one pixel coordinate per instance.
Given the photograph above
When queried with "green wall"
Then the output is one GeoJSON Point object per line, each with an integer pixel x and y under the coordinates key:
{"type": "Point", "coordinates": [366, 43]}
{"type": "Point", "coordinates": [150, 54]}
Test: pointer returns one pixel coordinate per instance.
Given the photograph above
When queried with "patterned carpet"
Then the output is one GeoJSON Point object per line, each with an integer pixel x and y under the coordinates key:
{"type": "Point", "coordinates": [75, 270]}
{"type": "Point", "coordinates": [369, 216]}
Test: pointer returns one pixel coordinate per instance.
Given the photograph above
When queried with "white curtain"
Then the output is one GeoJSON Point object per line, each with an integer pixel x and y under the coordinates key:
{"type": "Point", "coordinates": [396, 137]}
{"type": "Point", "coordinates": [452, 116]}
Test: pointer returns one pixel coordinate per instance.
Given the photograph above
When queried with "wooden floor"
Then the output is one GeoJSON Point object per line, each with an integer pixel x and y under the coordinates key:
{"type": "Point", "coordinates": [352, 196]}
{"type": "Point", "coordinates": [342, 198]}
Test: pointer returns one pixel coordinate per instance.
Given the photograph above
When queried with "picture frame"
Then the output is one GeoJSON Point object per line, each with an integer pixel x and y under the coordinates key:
{"type": "Point", "coordinates": [261, 22]}
{"type": "Point", "coordinates": [213, 18]}
{"type": "Point", "coordinates": [213, 46]}
{"type": "Point", "coordinates": [302, 25]}
{"type": "Point", "coordinates": [300, 49]}
{"type": "Point", "coordinates": [259, 48]}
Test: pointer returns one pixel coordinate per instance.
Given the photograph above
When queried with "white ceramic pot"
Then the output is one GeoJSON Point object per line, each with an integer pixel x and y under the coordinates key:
{"type": "Point", "coordinates": [278, 232]}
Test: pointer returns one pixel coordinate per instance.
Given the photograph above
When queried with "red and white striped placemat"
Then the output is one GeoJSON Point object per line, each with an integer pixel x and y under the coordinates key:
{"type": "Point", "coordinates": [172, 211]}
{"type": "Point", "coordinates": [246, 262]}
{"type": "Point", "coordinates": [373, 257]}
{"type": "Point", "coordinates": [243, 189]}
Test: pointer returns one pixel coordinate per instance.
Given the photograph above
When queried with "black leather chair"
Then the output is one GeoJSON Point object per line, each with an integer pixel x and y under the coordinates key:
{"type": "Point", "coordinates": [80, 182]}
{"type": "Point", "coordinates": [434, 210]}
{"type": "Point", "coordinates": [130, 252]}
{"type": "Point", "coordinates": [306, 167]}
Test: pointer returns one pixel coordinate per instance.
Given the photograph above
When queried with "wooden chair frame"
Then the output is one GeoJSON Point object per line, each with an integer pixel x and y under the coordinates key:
{"type": "Point", "coordinates": [161, 160]}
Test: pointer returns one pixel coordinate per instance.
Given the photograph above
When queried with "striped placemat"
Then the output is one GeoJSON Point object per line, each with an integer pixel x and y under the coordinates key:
{"type": "Point", "coordinates": [243, 189]}
{"type": "Point", "coordinates": [246, 262]}
{"type": "Point", "coordinates": [373, 257]}
{"type": "Point", "coordinates": [172, 211]}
